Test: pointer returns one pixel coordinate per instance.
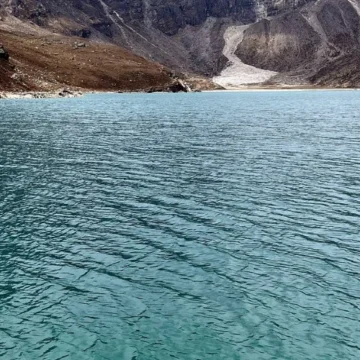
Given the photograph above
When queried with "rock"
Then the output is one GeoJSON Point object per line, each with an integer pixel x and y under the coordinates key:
{"type": "Point", "coordinates": [84, 33]}
{"type": "Point", "coordinates": [184, 86]}
{"type": "Point", "coordinates": [176, 86]}
{"type": "Point", "coordinates": [64, 93]}
{"type": "Point", "coordinates": [154, 89]}
{"type": "Point", "coordinates": [79, 45]}
{"type": "Point", "coordinates": [69, 93]}
{"type": "Point", "coordinates": [3, 53]}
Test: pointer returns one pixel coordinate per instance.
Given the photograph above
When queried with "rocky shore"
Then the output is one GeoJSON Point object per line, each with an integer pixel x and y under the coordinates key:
{"type": "Point", "coordinates": [63, 93]}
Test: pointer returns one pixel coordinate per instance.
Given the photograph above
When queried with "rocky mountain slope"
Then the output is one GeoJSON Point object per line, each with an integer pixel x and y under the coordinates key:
{"type": "Point", "coordinates": [183, 34]}
{"type": "Point", "coordinates": [276, 42]}
{"type": "Point", "coordinates": [46, 62]}
{"type": "Point", "coordinates": [318, 43]}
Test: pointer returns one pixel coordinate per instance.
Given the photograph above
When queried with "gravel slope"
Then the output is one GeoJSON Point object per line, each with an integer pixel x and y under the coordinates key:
{"type": "Point", "coordinates": [237, 73]}
{"type": "Point", "coordinates": [48, 62]}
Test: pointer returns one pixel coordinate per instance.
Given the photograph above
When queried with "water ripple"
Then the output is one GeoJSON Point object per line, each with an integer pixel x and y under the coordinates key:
{"type": "Point", "coordinates": [197, 226]}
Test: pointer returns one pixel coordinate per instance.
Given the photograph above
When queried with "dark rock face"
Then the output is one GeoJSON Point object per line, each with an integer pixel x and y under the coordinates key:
{"type": "Point", "coordinates": [340, 22]}
{"type": "Point", "coordinates": [342, 72]}
{"type": "Point", "coordinates": [279, 45]}
{"type": "Point", "coordinates": [171, 15]}
{"type": "Point", "coordinates": [84, 33]}
{"type": "Point", "coordinates": [4, 55]}
{"type": "Point", "coordinates": [166, 15]}
{"type": "Point", "coordinates": [175, 87]}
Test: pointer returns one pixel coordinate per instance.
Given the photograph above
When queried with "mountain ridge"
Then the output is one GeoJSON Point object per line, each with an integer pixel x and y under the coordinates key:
{"type": "Point", "coordinates": [297, 40]}
{"type": "Point", "coordinates": [160, 30]}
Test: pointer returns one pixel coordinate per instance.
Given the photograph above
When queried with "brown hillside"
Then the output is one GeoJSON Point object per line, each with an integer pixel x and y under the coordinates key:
{"type": "Point", "coordinates": [52, 61]}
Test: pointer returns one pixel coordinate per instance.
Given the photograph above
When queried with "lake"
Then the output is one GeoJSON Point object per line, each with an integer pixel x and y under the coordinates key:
{"type": "Point", "coordinates": [198, 226]}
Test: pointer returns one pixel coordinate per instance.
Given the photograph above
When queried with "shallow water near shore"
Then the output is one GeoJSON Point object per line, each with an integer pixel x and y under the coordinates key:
{"type": "Point", "coordinates": [181, 226]}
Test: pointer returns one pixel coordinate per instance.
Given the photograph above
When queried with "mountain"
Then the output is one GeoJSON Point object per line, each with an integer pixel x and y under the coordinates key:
{"type": "Point", "coordinates": [183, 34]}
{"type": "Point", "coordinates": [318, 43]}
{"type": "Point", "coordinates": [276, 42]}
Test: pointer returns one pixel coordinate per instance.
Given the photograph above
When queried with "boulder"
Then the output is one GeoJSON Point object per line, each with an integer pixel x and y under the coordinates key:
{"type": "Point", "coordinates": [176, 86]}
{"type": "Point", "coordinates": [84, 33]}
{"type": "Point", "coordinates": [3, 53]}
{"type": "Point", "coordinates": [78, 45]}
{"type": "Point", "coordinates": [67, 93]}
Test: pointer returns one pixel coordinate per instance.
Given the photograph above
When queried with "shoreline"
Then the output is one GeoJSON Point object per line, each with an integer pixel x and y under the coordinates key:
{"type": "Point", "coordinates": [51, 94]}
{"type": "Point", "coordinates": [68, 93]}
{"type": "Point", "coordinates": [284, 87]}
{"type": "Point", "coordinates": [280, 89]}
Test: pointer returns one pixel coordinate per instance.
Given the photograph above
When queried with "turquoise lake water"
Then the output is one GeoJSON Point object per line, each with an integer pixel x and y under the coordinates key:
{"type": "Point", "coordinates": [181, 226]}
